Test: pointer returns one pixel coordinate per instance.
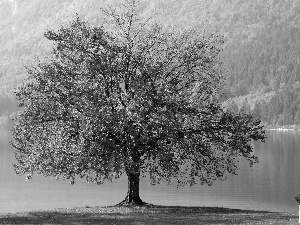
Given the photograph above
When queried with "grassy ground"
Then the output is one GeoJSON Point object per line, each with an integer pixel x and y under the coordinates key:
{"type": "Point", "coordinates": [148, 215]}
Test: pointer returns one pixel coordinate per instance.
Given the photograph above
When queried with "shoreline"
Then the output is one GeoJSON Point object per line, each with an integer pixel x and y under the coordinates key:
{"type": "Point", "coordinates": [148, 214]}
{"type": "Point", "coordinates": [282, 129]}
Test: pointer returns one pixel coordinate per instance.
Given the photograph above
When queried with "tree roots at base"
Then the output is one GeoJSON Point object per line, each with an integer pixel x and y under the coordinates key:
{"type": "Point", "coordinates": [132, 202]}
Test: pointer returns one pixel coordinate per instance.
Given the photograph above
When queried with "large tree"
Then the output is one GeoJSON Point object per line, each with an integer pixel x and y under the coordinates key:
{"type": "Point", "coordinates": [135, 98]}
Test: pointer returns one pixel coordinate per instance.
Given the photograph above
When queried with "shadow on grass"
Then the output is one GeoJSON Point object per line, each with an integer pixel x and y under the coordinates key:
{"type": "Point", "coordinates": [150, 214]}
{"type": "Point", "coordinates": [66, 218]}
{"type": "Point", "coordinates": [218, 210]}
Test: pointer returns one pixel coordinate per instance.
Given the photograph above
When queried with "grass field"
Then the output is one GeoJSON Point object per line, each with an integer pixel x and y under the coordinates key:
{"type": "Point", "coordinates": [150, 214]}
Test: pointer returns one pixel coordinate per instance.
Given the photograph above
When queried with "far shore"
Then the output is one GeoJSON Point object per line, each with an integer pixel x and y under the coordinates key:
{"type": "Point", "coordinates": [149, 214]}
{"type": "Point", "coordinates": [284, 128]}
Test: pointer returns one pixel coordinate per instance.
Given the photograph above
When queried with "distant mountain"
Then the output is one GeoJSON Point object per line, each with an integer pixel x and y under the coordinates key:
{"type": "Point", "coordinates": [261, 53]}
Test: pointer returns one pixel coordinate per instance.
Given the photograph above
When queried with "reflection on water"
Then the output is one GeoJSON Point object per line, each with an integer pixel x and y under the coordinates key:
{"type": "Point", "coordinates": [271, 185]}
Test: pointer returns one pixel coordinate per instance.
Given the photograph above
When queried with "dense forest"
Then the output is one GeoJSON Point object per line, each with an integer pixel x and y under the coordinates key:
{"type": "Point", "coordinates": [260, 58]}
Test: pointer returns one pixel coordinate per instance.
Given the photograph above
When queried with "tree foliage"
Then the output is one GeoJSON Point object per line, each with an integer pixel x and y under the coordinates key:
{"type": "Point", "coordinates": [136, 98]}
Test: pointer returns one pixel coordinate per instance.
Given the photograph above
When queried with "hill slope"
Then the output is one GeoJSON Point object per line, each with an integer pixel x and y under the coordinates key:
{"type": "Point", "coordinates": [261, 53]}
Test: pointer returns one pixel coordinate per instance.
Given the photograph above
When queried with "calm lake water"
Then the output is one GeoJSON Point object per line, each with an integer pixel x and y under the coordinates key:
{"type": "Point", "coordinates": [271, 184]}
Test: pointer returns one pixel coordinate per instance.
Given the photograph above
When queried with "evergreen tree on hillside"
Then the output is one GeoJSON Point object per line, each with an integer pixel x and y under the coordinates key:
{"type": "Point", "coordinates": [272, 111]}
{"type": "Point", "coordinates": [264, 111]}
{"type": "Point", "coordinates": [257, 110]}
{"type": "Point", "coordinates": [245, 108]}
{"type": "Point", "coordinates": [297, 117]}
{"type": "Point", "coordinates": [232, 107]}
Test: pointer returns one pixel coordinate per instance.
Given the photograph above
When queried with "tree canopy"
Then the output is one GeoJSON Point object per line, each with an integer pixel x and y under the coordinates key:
{"type": "Point", "coordinates": [135, 98]}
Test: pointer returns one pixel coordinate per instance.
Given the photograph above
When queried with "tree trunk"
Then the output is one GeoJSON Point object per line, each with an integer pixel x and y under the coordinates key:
{"type": "Point", "coordinates": [133, 194]}
{"type": "Point", "coordinates": [132, 169]}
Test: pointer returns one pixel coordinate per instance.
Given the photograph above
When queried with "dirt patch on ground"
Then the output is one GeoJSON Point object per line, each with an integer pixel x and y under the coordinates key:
{"type": "Point", "coordinates": [149, 214]}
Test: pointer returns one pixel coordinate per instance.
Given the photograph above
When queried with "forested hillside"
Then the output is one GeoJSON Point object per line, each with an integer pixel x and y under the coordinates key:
{"type": "Point", "coordinates": [261, 53]}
